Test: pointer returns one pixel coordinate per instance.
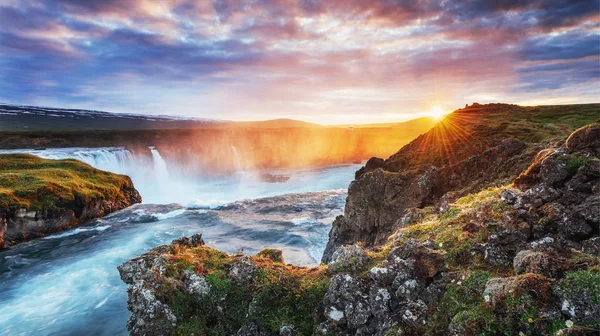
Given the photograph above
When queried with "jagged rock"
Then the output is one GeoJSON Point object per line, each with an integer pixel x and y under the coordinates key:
{"type": "Point", "coordinates": [414, 313]}
{"type": "Point", "coordinates": [193, 241]}
{"type": "Point", "coordinates": [241, 270]}
{"type": "Point", "coordinates": [428, 262]}
{"type": "Point", "coordinates": [195, 285]}
{"type": "Point", "coordinates": [374, 205]}
{"type": "Point", "coordinates": [372, 164]}
{"type": "Point", "coordinates": [379, 301]}
{"type": "Point", "coordinates": [586, 180]}
{"type": "Point", "coordinates": [346, 302]}
{"type": "Point", "coordinates": [508, 196]}
{"type": "Point", "coordinates": [574, 227]}
{"type": "Point", "coordinates": [585, 140]}
{"type": "Point", "coordinates": [548, 264]}
{"type": "Point", "coordinates": [553, 170]}
{"type": "Point", "coordinates": [348, 258]}
{"type": "Point", "coordinates": [149, 316]}
{"type": "Point", "coordinates": [501, 248]}
{"type": "Point", "coordinates": [590, 211]}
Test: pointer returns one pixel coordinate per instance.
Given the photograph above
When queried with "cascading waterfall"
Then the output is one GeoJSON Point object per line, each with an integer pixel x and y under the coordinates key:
{"type": "Point", "coordinates": [160, 166]}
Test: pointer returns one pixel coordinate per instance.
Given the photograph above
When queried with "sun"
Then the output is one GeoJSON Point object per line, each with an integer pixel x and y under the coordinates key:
{"type": "Point", "coordinates": [437, 112]}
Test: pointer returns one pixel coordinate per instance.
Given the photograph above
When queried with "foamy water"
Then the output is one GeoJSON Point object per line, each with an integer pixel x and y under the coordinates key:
{"type": "Point", "coordinates": [67, 283]}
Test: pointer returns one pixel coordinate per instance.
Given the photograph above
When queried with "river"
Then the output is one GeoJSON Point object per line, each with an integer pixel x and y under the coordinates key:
{"type": "Point", "coordinates": [68, 284]}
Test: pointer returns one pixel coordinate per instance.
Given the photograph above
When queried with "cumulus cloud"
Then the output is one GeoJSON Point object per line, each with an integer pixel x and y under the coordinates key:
{"type": "Point", "coordinates": [304, 58]}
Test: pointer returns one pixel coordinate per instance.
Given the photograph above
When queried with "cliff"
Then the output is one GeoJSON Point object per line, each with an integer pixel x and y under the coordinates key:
{"type": "Point", "coordinates": [502, 239]}
{"type": "Point", "coordinates": [471, 149]}
{"type": "Point", "coordinates": [39, 196]}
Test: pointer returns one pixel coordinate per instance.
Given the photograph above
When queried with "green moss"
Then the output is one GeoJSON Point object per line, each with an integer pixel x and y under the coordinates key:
{"type": "Point", "coordinates": [33, 183]}
{"type": "Point", "coordinates": [279, 294]}
{"type": "Point", "coordinates": [464, 298]}
{"type": "Point", "coordinates": [579, 283]}
{"type": "Point", "coordinates": [573, 162]}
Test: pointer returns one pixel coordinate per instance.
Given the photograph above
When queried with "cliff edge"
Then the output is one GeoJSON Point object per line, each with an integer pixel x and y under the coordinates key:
{"type": "Point", "coordinates": [39, 196]}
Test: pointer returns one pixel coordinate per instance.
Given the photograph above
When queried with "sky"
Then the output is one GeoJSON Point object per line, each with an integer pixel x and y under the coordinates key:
{"type": "Point", "coordinates": [331, 62]}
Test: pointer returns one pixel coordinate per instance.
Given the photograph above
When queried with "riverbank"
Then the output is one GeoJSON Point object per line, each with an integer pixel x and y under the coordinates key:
{"type": "Point", "coordinates": [39, 196]}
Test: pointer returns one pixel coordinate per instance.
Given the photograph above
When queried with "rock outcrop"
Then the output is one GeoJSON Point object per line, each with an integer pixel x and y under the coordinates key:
{"type": "Point", "coordinates": [49, 206]}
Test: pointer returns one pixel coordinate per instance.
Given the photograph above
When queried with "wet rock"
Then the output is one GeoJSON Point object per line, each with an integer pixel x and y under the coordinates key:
{"type": "Point", "coordinates": [585, 140]}
{"type": "Point", "coordinates": [349, 258]}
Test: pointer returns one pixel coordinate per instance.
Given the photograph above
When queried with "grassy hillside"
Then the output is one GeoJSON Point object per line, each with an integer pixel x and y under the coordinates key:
{"type": "Point", "coordinates": [29, 182]}
{"type": "Point", "coordinates": [469, 131]}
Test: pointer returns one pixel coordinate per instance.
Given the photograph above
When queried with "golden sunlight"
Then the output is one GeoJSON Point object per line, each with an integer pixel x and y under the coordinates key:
{"type": "Point", "coordinates": [437, 112]}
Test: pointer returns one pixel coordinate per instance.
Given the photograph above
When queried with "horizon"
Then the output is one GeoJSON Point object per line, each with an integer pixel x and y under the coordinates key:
{"type": "Point", "coordinates": [334, 63]}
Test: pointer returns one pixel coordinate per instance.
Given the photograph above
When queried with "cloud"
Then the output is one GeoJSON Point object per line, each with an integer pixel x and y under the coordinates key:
{"type": "Point", "coordinates": [228, 58]}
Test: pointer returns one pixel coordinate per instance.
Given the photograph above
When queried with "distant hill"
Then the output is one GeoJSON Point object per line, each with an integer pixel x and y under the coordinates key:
{"type": "Point", "coordinates": [35, 118]}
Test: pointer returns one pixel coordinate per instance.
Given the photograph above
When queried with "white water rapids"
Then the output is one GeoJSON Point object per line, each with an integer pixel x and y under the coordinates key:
{"type": "Point", "coordinates": [67, 283]}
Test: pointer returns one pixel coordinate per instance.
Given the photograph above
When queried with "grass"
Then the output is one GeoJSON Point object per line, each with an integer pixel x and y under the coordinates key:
{"type": "Point", "coordinates": [280, 294]}
{"type": "Point", "coordinates": [470, 131]}
{"type": "Point", "coordinates": [33, 183]}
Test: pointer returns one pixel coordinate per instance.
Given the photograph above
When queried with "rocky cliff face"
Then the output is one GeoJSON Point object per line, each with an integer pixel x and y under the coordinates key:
{"type": "Point", "coordinates": [469, 150]}
{"type": "Point", "coordinates": [520, 256]}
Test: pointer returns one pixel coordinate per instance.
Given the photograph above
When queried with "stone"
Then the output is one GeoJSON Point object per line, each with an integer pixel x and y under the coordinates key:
{"type": "Point", "coordinates": [548, 264]}
{"type": "Point", "coordinates": [591, 246]}
{"type": "Point", "coordinates": [274, 255]}
{"type": "Point", "coordinates": [195, 285]}
{"type": "Point", "coordinates": [241, 270]}
{"type": "Point", "coordinates": [585, 140]}
{"type": "Point", "coordinates": [427, 262]}
{"type": "Point", "coordinates": [348, 258]}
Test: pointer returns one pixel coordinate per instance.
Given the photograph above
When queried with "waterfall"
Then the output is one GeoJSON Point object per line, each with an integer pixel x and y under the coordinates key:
{"type": "Point", "coordinates": [149, 174]}
{"type": "Point", "coordinates": [236, 159]}
{"type": "Point", "coordinates": [160, 166]}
